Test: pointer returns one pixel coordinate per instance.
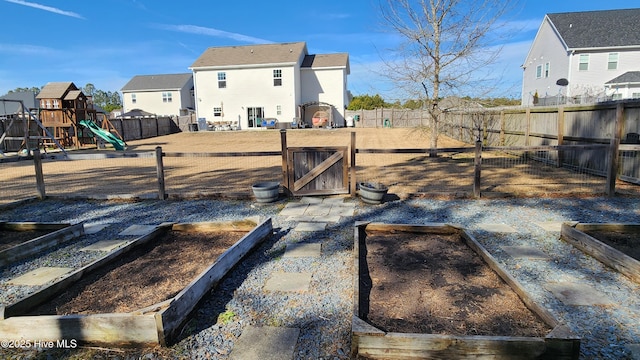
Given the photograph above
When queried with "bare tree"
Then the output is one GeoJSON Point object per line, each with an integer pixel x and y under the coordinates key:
{"type": "Point", "coordinates": [446, 46]}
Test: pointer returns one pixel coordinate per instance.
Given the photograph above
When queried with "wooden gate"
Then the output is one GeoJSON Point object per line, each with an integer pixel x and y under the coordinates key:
{"type": "Point", "coordinates": [318, 170]}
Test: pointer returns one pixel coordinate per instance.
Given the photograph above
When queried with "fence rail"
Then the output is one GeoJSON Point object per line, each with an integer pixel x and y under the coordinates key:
{"type": "Point", "coordinates": [557, 170]}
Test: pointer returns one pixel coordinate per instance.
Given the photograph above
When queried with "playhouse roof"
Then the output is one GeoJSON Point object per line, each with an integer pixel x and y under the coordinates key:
{"type": "Point", "coordinates": [56, 90]}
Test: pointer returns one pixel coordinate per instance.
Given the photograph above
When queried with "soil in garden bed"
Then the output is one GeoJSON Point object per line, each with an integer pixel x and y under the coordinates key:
{"type": "Point", "coordinates": [144, 276]}
{"type": "Point", "coordinates": [436, 284]}
{"type": "Point", "coordinates": [11, 238]}
{"type": "Point", "coordinates": [627, 243]}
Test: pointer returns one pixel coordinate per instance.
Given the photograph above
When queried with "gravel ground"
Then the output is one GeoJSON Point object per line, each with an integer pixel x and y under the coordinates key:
{"type": "Point", "coordinates": [323, 313]}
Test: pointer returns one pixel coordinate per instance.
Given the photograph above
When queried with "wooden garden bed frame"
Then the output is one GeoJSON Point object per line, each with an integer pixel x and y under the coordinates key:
{"type": "Point", "coordinates": [626, 265]}
{"type": "Point", "coordinates": [150, 326]}
{"type": "Point", "coordinates": [371, 342]}
{"type": "Point", "coordinates": [63, 233]}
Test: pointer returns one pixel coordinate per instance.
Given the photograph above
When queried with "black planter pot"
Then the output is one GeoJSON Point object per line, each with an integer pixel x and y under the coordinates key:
{"type": "Point", "coordinates": [372, 193]}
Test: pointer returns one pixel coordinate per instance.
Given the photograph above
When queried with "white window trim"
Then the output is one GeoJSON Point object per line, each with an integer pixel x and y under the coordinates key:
{"type": "Point", "coordinates": [616, 62]}
{"type": "Point", "coordinates": [539, 72]}
{"type": "Point", "coordinates": [580, 62]}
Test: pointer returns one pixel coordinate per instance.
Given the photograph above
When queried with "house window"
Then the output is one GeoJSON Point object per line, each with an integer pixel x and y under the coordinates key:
{"type": "Point", "coordinates": [222, 80]}
{"type": "Point", "coordinates": [277, 77]}
{"type": "Point", "coordinates": [546, 70]}
{"type": "Point", "coordinates": [217, 111]}
{"type": "Point", "coordinates": [538, 71]}
{"type": "Point", "coordinates": [133, 98]}
{"type": "Point", "coordinates": [584, 62]}
{"type": "Point", "coordinates": [612, 64]}
{"type": "Point", "coordinates": [166, 97]}
{"type": "Point", "coordinates": [635, 95]}
{"type": "Point", "coordinates": [616, 96]}
{"type": "Point", "coordinates": [56, 104]}
{"type": "Point", "coordinates": [279, 109]}
{"type": "Point", "coordinates": [48, 102]}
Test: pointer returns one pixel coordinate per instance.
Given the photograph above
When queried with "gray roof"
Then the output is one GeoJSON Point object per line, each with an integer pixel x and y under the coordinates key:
{"type": "Point", "coordinates": [326, 60]}
{"type": "Point", "coordinates": [157, 82]}
{"type": "Point", "coordinates": [10, 107]}
{"type": "Point", "coordinates": [598, 29]}
{"type": "Point", "coordinates": [56, 90]}
{"type": "Point", "coordinates": [628, 77]}
{"type": "Point", "coordinates": [251, 55]}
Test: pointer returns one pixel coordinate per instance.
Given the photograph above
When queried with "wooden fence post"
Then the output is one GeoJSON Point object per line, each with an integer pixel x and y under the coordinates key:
{"type": "Point", "coordinates": [352, 171]}
{"type": "Point", "coordinates": [614, 146]}
{"type": "Point", "coordinates": [285, 172]}
{"type": "Point", "coordinates": [160, 174]}
{"type": "Point", "coordinates": [560, 135]}
{"type": "Point", "coordinates": [37, 162]}
{"type": "Point", "coordinates": [527, 130]}
{"type": "Point", "coordinates": [477, 169]}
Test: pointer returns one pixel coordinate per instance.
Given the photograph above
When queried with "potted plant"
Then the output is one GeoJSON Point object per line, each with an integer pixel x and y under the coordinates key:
{"type": "Point", "coordinates": [266, 192]}
{"type": "Point", "coordinates": [372, 192]}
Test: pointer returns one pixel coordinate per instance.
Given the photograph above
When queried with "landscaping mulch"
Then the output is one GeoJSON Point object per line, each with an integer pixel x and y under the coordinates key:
{"type": "Point", "coordinates": [436, 284]}
{"type": "Point", "coordinates": [145, 276]}
{"type": "Point", "coordinates": [11, 238]}
{"type": "Point", "coordinates": [627, 243]}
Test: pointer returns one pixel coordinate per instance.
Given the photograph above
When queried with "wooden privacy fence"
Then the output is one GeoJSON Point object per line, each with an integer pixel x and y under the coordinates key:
{"type": "Point", "coordinates": [324, 171]}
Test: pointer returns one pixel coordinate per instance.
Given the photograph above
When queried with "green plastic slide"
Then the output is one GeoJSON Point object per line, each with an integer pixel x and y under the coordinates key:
{"type": "Point", "coordinates": [105, 135]}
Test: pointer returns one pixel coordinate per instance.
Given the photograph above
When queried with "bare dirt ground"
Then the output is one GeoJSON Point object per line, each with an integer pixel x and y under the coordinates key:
{"type": "Point", "coordinates": [143, 277]}
{"type": "Point", "coordinates": [10, 238]}
{"type": "Point", "coordinates": [124, 175]}
{"type": "Point", "coordinates": [435, 284]}
{"type": "Point", "coordinates": [627, 243]}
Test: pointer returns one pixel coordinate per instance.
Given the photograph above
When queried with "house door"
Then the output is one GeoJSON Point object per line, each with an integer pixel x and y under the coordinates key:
{"type": "Point", "coordinates": [255, 116]}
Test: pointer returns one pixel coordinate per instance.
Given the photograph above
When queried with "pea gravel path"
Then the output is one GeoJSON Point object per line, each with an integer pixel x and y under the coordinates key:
{"type": "Point", "coordinates": [323, 312]}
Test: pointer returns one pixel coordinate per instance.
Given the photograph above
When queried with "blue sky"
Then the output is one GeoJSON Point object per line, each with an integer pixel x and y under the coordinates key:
{"type": "Point", "coordinates": [106, 43]}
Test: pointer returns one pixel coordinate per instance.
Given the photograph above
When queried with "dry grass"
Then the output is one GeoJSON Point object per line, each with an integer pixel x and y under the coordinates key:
{"type": "Point", "coordinates": [451, 173]}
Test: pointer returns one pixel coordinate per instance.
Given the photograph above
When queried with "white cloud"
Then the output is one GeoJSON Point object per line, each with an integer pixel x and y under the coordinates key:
{"type": "Point", "coordinates": [23, 49]}
{"type": "Point", "coordinates": [200, 30]}
{"type": "Point", "coordinates": [47, 8]}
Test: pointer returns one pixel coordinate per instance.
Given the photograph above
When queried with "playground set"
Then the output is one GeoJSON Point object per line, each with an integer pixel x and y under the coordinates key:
{"type": "Point", "coordinates": [65, 118]}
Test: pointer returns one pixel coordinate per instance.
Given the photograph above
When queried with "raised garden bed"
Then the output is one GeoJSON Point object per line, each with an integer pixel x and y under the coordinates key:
{"type": "Point", "coordinates": [432, 291]}
{"type": "Point", "coordinates": [615, 245]}
{"type": "Point", "coordinates": [139, 294]}
{"type": "Point", "coordinates": [19, 240]}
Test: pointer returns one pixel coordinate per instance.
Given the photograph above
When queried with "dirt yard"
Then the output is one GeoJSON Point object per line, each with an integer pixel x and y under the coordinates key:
{"type": "Point", "coordinates": [143, 277]}
{"type": "Point", "coordinates": [190, 172]}
{"type": "Point", "coordinates": [10, 238]}
{"type": "Point", "coordinates": [627, 243]}
{"type": "Point", "coordinates": [435, 284]}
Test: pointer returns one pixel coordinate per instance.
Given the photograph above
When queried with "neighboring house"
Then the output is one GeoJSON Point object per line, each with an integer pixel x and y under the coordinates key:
{"type": "Point", "coordinates": [9, 109]}
{"type": "Point", "coordinates": [163, 95]}
{"type": "Point", "coordinates": [241, 85]}
{"type": "Point", "coordinates": [596, 52]}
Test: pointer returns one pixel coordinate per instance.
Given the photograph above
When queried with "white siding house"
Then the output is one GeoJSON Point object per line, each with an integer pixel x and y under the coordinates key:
{"type": "Point", "coordinates": [162, 95]}
{"type": "Point", "coordinates": [241, 85]}
{"type": "Point", "coordinates": [596, 52]}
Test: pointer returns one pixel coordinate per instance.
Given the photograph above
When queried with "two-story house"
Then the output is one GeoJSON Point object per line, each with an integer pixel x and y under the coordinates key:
{"type": "Point", "coordinates": [163, 95]}
{"type": "Point", "coordinates": [241, 85]}
{"type": "Point", "coordinates": [585, 57]}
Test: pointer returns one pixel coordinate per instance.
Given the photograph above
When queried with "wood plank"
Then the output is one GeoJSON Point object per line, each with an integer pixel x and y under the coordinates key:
{"type": "Point", "coordinates": [169, 320]}
{"type": "Point", "coordinates": [432, 228]}
{"type": "Point", "coordinates": [239, 225]}
{"type": "Point", "coordinates": [611, 257]}
{"type": "Point", "coordinates": [99, 329]}
{"type": "Point", "coordinates": [430, 346]}
{"type": "Point", "coordinates": [29, 225]}
{"type": "Point", "coordinates": [617, 227]}
{"type": "Point", "coordinates": [39, 244]}
{"type": "Point", "coordinates": [316, 171]}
